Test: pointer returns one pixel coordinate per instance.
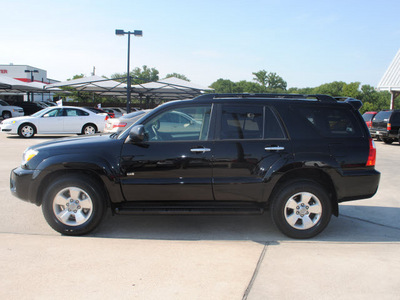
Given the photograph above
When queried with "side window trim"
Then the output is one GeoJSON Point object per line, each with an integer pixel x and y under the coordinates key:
{"type": "Point", "coordinates": [278, 120]}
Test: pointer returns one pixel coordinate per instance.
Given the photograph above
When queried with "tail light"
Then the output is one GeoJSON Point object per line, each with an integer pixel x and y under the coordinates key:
{"type": "Point", "coordinates": [119, 125]}
{"type": "Point", "coordinates": [372, 154]}
{"type": "Point", "coordinates": [389, 126]}
{"type": "Point", "coordinates": [106, 118]}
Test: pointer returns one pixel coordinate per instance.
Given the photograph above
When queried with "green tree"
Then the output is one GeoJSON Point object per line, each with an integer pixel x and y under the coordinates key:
{"type": "Point", "coordinates": [223, 86]}
{"type": "Point", "coordinates": [276, 82]}
{"type": "Point", "coordinates": [261, 77]}
{"type": "Point", "coordinates": [180, 76]}
{"type": "Point", "coordinates": [301, 91]}
{"type": "Point", "coordinates": [138, 75]}
{"type": "Point", "coordinates": [144, 75]}
{"type": "Point", "coordinates": [270, 81]}
{"type": "Point", "coordinates": [244, 86]}
{"type": "Point", "coordinates": [352, 90]}
{"type": "Point", "coordinates": [334, 88]}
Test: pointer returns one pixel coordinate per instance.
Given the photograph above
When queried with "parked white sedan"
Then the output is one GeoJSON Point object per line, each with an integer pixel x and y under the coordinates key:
{"type": "Point", "coordinates": [55, 120]}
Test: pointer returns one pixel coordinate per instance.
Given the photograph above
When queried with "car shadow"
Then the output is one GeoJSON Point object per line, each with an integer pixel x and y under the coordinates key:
{"type": "Point", "coordinates": [43, 137]}
{"type": "Point", "coordinates": [353, 225]}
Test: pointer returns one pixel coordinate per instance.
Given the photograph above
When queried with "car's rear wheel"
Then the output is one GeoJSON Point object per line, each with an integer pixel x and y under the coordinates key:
{"type": "Point", "coordinates": [26, 130]}
{"type": "Point", "coordinates": [89, 129]}
{"type": "Point", "coordinates": [388, 140]}
{"type": "Point", "coordinates": [301, 209]}
{"type": "Point", "coordinates": [73, 204]}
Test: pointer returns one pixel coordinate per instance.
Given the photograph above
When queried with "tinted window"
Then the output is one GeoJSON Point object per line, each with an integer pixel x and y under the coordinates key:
{"type": "Point", "coordinates": [273, 129]}
{"type": "Point", "coordinates": [241, 122]}
{"type": "Point", "coordinates": [72, 112]}
{"type": "Point", "coordinates": [367, 117]}
{"type": "Point", "coordinates": [382, 116]}
{"type": "Point", "coordinates": [331, 122]}
{"type": "Point", "coordinates": [178, 124]}
{"type": "Point", "coordinates": [395, 117]}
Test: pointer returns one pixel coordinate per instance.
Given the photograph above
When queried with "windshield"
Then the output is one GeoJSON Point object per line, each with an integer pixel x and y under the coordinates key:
{"type": "Point", "coordinates": [40, 112]}
{"type": "Point", "coordinates": [4, 103]}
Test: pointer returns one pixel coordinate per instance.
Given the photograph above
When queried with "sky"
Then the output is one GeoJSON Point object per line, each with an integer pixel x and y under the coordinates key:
{"type": "Point", "coordinates": [307, 43]}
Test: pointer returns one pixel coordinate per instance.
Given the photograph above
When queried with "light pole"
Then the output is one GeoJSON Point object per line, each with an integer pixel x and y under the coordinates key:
{"type": "Point", "coordinates": [128, 76]}
{"type": "Point", "coordinates": [31, 71]}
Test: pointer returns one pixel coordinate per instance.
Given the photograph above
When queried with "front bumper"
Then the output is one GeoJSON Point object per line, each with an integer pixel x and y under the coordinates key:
{"type": "Point", "coordinates": [8, 128]}
{"type": "Point", "coordinates": [21, 184]}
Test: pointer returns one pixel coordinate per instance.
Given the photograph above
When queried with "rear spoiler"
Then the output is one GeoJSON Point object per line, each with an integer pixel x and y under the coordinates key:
{"type": "Point", "coordinates": [357, 104]}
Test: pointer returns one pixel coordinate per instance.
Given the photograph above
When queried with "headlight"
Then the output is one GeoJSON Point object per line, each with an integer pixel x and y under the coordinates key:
{"type": "Point", "coordinates": [8, 122]}
{"type": "Point", "coordinates": [28, 155]}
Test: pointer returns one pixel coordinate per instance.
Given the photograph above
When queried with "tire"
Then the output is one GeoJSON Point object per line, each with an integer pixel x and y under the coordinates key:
{"type": "Point", "coordinates": [26, 130]}
{"type": "Point", "coordinates": [74, 204]}
{"type": "Point", "coordinates": [89, 129]}
{"type": "Point", "coordinates": [388, 141]}
{"type": "Point", "coordinates": [6, 115]}
{"type": "Point", "coordinates": [301, 209]}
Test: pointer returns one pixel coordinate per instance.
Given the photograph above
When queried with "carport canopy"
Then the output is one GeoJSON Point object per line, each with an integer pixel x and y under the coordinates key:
{"type": "Point", "coordinates": [11, 85]}
{"type": "Point", "coordinates": [391, 79]}
{"type": "Point", "coordinates": [165, 89]}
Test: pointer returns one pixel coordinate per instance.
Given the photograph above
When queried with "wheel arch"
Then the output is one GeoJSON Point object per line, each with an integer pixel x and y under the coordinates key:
{"type": "Point", "coordinates": [55, 175]}
{"type": "Point", "coordinates": [6, 111]}
{"type": "Point", "coordinates": [309, 174]}
{"type": "Point", "coordinates": [28, 123]}
{"type": "Point", "coordinates": [89, 124]}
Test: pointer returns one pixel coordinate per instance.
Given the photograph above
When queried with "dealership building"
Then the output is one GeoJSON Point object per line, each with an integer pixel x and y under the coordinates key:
{"type": "Point", "coordinates": [26, 73]}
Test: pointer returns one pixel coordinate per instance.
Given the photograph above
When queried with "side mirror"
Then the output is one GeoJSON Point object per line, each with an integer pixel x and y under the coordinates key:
{"type": "Point", "coordinates": [137, 134]}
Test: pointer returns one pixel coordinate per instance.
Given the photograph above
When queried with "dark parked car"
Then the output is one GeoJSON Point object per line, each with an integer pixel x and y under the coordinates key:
{"type": "Point", "coordinates": [100, 111]}
{"type": "Point", "coordinates": [386, 126]}
{"type": "Point", "coordinates": [298, 156]}
{"type": "Point", "coordinates": [29, 107]}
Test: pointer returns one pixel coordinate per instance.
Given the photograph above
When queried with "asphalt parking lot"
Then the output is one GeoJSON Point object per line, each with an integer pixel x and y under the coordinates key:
{"type": "Point", "coordinates": [202, 257]}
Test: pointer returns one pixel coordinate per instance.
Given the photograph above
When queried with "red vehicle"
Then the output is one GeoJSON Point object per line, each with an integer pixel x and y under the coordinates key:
{"type": "Point", "coordinates": [99, 111]}
{"type": "Point", "coordinates": [368, 116]}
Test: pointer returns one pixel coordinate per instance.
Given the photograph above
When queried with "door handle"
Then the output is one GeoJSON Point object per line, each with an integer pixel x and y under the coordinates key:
{"type": "Point", "coordinates": [274, 148]}
{"type": "Point", "coordinates": [200, 150]}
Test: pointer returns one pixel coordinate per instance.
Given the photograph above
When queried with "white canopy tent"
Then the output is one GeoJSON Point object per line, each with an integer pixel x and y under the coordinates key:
{"type": "Point", "coordinates": [171, 88]}
{"type": "Point", "coordinates": [96, 84]}
{"type": "Point", "coordinates": [391, 79]}
{"type": "Point", "coordinates": [163, 90]}
{"type": "Point", "coordinates": [11, 85]}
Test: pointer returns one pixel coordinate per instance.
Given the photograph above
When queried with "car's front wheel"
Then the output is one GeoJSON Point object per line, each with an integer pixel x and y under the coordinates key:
{"type": "Point", "coordinates": [301, 209]}
{"type": "Point", "coordinates": [26, 130]}
{"type": "Point", "coordinates": [73, 204]}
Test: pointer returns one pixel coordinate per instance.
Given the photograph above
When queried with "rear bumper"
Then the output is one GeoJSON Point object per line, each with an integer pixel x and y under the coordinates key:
{"type": "Point", "coordinates": [354, 185]}
{"type": "Point", "coordinates": [378, 133]}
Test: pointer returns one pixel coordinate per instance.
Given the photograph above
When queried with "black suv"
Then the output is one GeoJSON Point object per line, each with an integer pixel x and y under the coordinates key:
{"type": "Point", "coordinates": [386, 126]}
{"type": "Point", "coordinates": [30, 107]}
{"type": "Point", "coordinates": [296, 155]}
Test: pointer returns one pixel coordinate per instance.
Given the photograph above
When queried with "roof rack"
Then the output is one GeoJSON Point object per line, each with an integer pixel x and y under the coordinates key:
{"type": "Point", "coordinates": [321, 98]}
